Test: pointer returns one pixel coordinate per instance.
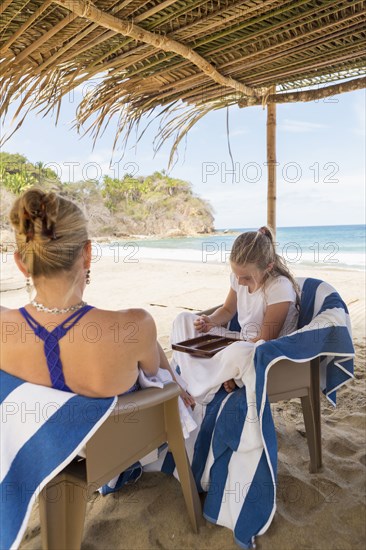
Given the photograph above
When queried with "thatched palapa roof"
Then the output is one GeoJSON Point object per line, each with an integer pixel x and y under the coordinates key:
{"type": "Point", "coordinates": [187, 56]}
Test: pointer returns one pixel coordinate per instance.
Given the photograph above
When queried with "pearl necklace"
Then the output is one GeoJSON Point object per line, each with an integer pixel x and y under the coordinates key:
{"type": "Point", "coordinates": [55, 310]}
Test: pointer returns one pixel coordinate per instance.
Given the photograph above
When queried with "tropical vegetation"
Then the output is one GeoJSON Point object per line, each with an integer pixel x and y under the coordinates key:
{"type": "Point", "coordinates": [153, 205]}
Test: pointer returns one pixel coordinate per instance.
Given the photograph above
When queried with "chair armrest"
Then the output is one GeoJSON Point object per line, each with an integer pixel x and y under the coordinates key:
{"type": "Point", "coordinates": [144, 398]}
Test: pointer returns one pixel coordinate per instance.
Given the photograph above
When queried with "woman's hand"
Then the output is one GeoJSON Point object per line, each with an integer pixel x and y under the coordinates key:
{"type": "Point", "coordinates": [187, 398]}
{"type": "Point", "coordinates": [164, 364]}
{"type": "Point", "coordinates": [203, 323]}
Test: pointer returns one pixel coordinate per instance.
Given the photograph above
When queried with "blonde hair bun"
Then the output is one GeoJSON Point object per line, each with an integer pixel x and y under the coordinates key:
{"type": "Point", "coordinates": [50, 231]}
{"type": "Point", "coordinates": [36, 215]}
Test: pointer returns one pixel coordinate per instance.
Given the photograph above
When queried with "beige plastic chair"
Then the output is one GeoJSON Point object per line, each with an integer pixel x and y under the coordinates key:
{"type": "Point", "coordinates": [287, 380]}
{"type": "Point", "coordinates": [144, 420]}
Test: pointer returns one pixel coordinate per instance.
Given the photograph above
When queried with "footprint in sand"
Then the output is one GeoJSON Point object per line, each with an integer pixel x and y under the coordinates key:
{"type": "Point", "coordinates": [355, 420]}
{"type": "Point", "coordinates": [330, 490]}
{"type": "Point", "coordinates": [297, 499]}
{"type": "Point", "coordinates": [349, 473]}
{"type": "Point", "coordinates": [357, 313]}
{"type": "Point", "coordinates": [341, 448]}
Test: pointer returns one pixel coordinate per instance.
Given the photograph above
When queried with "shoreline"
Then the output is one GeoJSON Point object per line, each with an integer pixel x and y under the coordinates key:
{"type": "Point", "coordinates": [219, 232]}
{"type": "Point", "coordinates": [133, 251]}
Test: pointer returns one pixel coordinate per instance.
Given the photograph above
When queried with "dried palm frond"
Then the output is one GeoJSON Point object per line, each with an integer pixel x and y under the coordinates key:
{"type": "Point", "coordinates": [177, 58]}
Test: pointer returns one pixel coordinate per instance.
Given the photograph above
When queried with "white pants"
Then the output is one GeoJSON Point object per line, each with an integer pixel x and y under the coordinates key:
{"type": "Point", "coordinates": [204, 376]}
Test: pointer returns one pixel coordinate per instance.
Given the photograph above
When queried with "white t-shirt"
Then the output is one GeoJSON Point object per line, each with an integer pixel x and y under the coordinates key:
{"type": "Point", "coordinates": [252, 306]}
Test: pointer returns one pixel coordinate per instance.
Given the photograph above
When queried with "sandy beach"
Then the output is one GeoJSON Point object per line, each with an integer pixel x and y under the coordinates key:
{"type": "Point", "coordinates": [314, 511]}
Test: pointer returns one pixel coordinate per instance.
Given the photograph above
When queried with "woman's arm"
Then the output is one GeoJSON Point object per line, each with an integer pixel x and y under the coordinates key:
{"type": "Point", "coordinates": [219, 317]}
{"type": "Point", "coordinates": [164, 364]}
{"type": "Point", "coordinates": [273, 321]}
{"type": "Point", "coordinates": [148, 356]}
{"type": "Point", "coordinates": [151, 355]}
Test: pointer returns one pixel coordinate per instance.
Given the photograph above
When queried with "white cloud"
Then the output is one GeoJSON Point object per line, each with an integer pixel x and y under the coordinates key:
{"type": "Point", "coordinates": [300, 126]}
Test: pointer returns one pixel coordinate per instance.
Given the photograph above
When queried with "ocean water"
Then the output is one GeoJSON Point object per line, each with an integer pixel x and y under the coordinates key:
{"type": "Point", "coordinates": [337, 246]}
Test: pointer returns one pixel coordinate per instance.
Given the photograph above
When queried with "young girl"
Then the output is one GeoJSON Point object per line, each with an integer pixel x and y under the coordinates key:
{"type": "Point", "coordinates": [262, 291]}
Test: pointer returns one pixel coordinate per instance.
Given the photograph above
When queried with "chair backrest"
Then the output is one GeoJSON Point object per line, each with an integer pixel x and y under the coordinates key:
{"type": "Point", "coordinates": [308, 289]}
{"type": "Point", "coordinates": [234, 323]}
{"type": "Point", "coordinates": [141, 415]}
{"type": "Point", "coordinates": [287, 379]}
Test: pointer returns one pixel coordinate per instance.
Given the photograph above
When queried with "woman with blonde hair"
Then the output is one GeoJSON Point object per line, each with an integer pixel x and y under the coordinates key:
{"type": "Point", "coordinates": [45, 342]}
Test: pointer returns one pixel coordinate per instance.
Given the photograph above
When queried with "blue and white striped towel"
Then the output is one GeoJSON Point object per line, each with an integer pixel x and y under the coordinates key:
{"type": "Point", "coordinates": [42, 430]}
{"type": "Point", "coordinates": [234, 453]}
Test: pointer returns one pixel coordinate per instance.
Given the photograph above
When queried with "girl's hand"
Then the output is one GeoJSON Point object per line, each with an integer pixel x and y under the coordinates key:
{"type": "Point", "coordinates": [203, 323]}
{"type": "Point", "coordinates": [187, 398]}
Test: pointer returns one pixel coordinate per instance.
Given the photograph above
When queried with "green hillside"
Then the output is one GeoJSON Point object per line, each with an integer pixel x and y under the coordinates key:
{"type": "Point", "coordinates": [152, 205]}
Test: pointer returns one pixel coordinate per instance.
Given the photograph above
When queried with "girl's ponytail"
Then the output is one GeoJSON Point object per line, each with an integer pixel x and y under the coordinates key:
{"type": "Point", "coordinates": [259, 247]}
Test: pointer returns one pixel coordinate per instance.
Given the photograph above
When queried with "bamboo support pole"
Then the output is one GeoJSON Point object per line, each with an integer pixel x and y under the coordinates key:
{"type": "Point", "coordinates": [271, 163]}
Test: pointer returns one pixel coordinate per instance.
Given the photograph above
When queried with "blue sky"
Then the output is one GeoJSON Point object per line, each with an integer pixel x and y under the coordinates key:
{"type": "Point", "coordinates": [320, 151]}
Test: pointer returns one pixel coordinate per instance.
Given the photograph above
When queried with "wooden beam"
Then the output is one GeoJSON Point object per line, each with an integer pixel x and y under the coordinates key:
{"type": "Point", "coordinates": [308, 95]}
{"type": "Point", "coordinates": [87, 10]}
{"type": "Point", "coordinates": [271, 163]}
{"type": "Point", "coordinates": [4, 5]}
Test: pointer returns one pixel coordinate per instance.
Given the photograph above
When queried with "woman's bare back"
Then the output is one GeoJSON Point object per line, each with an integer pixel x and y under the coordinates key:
{"type": "Point", "coordinates": [100, 355]}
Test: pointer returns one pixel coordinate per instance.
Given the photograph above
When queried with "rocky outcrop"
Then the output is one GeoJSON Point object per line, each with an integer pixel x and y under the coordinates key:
{"type": "Point", "coordinates": [156, 205]}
